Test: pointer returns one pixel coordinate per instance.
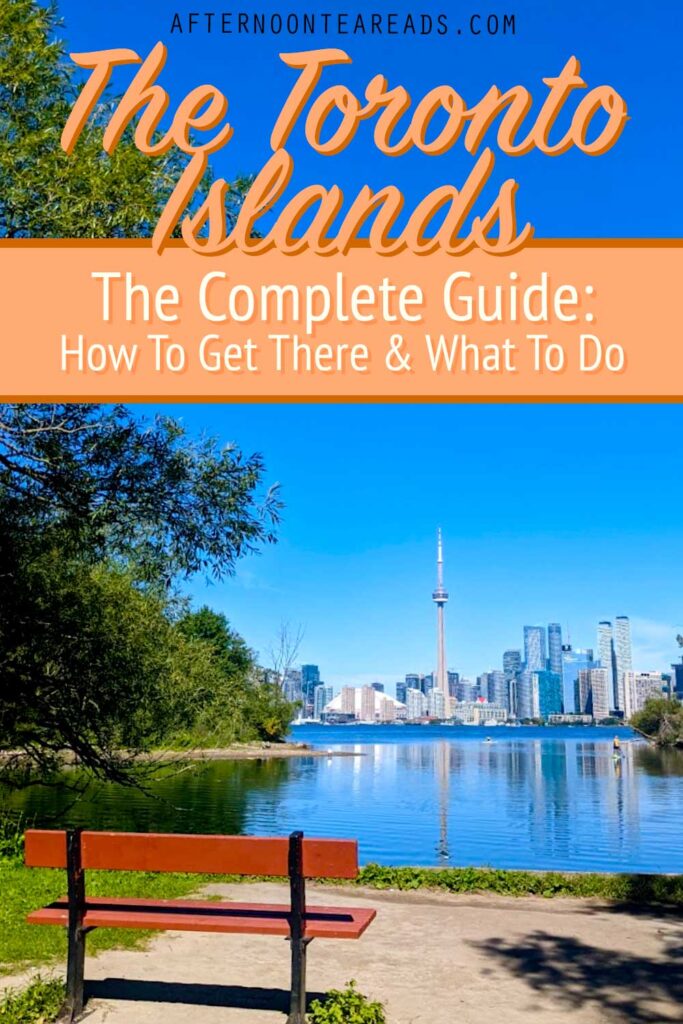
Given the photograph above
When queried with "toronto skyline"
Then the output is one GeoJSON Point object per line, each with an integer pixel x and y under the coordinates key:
{"type": "Point", "coordinates": [561, 514]}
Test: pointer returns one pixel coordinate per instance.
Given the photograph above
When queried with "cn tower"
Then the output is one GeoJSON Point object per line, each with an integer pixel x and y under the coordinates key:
{"type": "Point", "coordinates": [440, 596]}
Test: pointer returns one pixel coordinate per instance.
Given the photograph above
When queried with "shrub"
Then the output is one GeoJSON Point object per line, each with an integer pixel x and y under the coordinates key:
{"type": "Point", "coordinates": [11, 837]}
{"type": "Point", "coordinates": [40, 1003]}
{"type": "Point", "coordinates": [346, 1007]}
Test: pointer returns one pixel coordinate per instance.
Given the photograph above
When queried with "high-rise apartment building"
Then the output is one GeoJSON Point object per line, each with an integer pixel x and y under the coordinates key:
{"type": "Point", "coordinates": [638, 687]}
{"type": "Point", "coordinates": [555, 648]}
{"type": "Point", "coordinates": [623, 655]}
{"type": "Point", "coordinates": [292, 687]}
{"type": "Point", "coordinates": [594, 693]}
{"type": "Point", "coordinates": [498, 689]}
{"type": "Point", "coordinates": [348, 700]}
{"type": "Point", "coordinates": [607, 659]}
{"type": "Point", "coordinates": [464, 689]}
{"type": "Point", "coordinates": [453, 680]}
{"type": "Point", "coordinates": [527, 695]}
{"type": "Point", "coordinates": [512, 663]}
{"type": "Point", "coordinates": [367, 704]}
{"type": "Point", "coordinates": [416, 704]}
{"type": "Point", "coordinates": [436, 704]}
{"type": "Point", "coordinates": [401, 688]}
{"type": "Point", "coordinates": [534, 648]}
{"type": "Point", "coordinates": [379, 687]}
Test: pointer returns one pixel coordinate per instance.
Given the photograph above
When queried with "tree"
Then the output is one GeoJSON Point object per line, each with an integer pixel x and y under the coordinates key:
{"type": "Point", "coordinates": [661, 719]}
{"type": "Point", "coordinates": [245, 703]}
{"type": "Point", "coordinates": [43, 192]}
{"type": "Point", "coordinates": [100, 515]}
{"type": "Point", "coordinates": [100, 482]}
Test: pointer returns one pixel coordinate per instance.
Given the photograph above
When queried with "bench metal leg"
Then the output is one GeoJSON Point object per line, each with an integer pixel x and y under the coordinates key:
{"type": "Point", "coordinates": [73, 1005]}
{"type": "Point", "coordinates": [75, 969]}
{"type": "Point", "coordinates": [297, 929]}
{"type": "Point", "coordinates": [297, 1004]}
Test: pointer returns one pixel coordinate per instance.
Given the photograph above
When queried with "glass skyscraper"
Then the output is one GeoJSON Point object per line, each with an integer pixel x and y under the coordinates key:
{"type": "Point", "coordinates": [555, 648]}
{"type": "Point", "coordinates": [549, 694]}
{"type": "Point", "coordinates": [573, 661]}
{"type": "Point", "coordinates": [534, 649]}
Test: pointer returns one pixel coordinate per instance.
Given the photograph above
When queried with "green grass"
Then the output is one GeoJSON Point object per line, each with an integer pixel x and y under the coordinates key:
{"type": "Point", "coordinates": [643, 889]}
{"type": "Point", "coordinates": [24, 889]}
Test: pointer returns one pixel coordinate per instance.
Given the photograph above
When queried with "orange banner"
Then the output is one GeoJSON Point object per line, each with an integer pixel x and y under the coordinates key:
{"type": "Point", "coordinates": [559, 320]}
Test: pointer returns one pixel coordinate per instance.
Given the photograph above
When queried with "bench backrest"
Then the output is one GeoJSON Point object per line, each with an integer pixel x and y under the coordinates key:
{"type": "Point", "coordinates": [219, 855]}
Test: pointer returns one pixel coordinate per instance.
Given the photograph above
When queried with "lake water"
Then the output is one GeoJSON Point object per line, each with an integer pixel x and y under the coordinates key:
{"type": "Point", "coordinates": [536, 798]}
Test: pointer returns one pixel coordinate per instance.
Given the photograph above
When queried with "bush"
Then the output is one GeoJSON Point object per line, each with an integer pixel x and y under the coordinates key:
{"type": "Point", "coordinates": [346, 1007]}
{"type": "Point", "coordinates": [40, 1003]}
{"type": "Point", "coordinates": [11, 837]}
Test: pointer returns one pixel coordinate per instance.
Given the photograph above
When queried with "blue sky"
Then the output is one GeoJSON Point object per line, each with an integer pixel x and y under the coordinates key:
{"type": "Point", "coordinates": [631, 191]}
{"type": "Point", "coordinates": [550, 513]}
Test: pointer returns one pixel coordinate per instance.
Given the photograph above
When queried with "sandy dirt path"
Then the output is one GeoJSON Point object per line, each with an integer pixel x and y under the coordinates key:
{"type": "Point", "coordinates": [431, 958]}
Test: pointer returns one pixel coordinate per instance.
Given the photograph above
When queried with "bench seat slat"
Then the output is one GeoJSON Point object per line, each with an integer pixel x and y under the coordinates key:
{"type": "Point", "coordinates": [207, 916]}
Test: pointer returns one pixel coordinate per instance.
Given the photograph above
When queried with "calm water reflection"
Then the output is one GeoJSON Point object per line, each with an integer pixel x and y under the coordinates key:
{"type": "Point", "coordinates": [532, 798]}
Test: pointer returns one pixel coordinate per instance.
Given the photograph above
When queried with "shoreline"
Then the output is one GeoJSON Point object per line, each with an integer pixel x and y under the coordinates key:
{"type": "Point", "coordinates": [238, 752]}
{"type": "Point", "coordinates": [249, 752]}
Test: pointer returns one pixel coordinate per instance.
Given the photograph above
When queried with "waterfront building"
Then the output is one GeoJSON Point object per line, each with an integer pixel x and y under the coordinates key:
{"type": "Point", "coordinates": [573, 660]}
{"type": "Point", "coordinates": [595, 693]}
{"type": "Point", "coordinates": [677, 673]}
{"type": "Point", "coordinates": [440, 597]}
{"type": "Point", "coordinates": [570, 719]}
{"type": "Point", "coordinates": [416, 704]}
{"type": "Point", "coordinates": [310, 678]}
{"type": "Point", "coordinates": [534, 648]}
{"type": "Point", "coordinates": [464, 690]}
{"type": "Point", "coordinates": [387, 710]}
{"type": "Point", "coordinates": [379, 687]}
{"type": "Point", "coordinates": [623, 655]}
{"type": "Point", "coordinates": [555, 648]}
{"type": "Point", "coordinates": [480, 712]}
{"type": "Point", "coordinates": [348, 701]}
{"type": "Point", "coordinates": [607, 659]}
{"type": "Point", "coordinates": [527, 695]}
{"type": "Point", "coordinates": [292, 687]}
{"type": "Point", "coordinates": [639, 687]}
{"type": "Point", "coordinates": [498, 690]}
{"type": "Point", "coordinates": [322, 696]}
{"type": "Point", "coordinates": [436, 704]}
{"type": "Point", "coordinates": [549, 694]}
{"type": "Point", "coordinates": [364, 704]}
{"type": "Point", "coordinates": [367, 704]}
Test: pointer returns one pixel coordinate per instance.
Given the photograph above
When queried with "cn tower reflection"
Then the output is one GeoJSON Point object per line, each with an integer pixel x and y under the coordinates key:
{"type": "Point", "coordinates": [442, 765]}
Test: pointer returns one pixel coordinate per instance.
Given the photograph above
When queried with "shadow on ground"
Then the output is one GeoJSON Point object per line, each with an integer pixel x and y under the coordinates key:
{"type": "Point", "coordinates": [623, 986]}
{"type": "Point", "coordinates": [236, 996]}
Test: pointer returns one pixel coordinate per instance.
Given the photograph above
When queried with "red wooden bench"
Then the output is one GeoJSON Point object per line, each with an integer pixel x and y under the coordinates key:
{"type": "Point", "coordinates": [296, 858]}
